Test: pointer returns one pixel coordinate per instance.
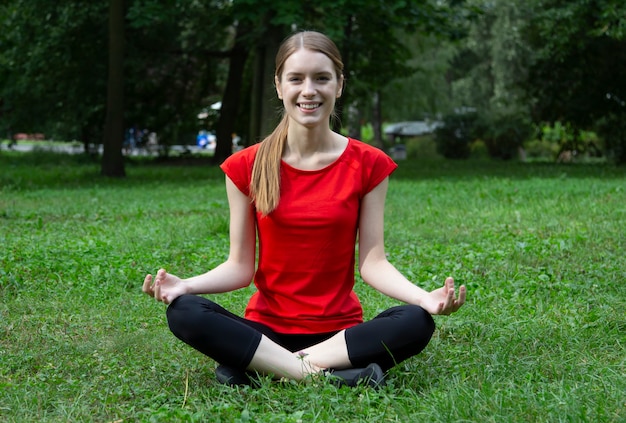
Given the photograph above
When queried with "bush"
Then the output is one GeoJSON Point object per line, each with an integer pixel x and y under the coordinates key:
{"type": "Point", "coordinates": [479, 149]}
{"type": "Point", "coordinates": [504, 135]}
{"type": "Point", "coordinates": [454, 137]}
{"type": "Point", "coordinates": [422, 147]}
{"type": "Point", "coordinates": [557, 138]}
{"type": "Point", "coordinates": [541, 149]}
{"type": "Point", "coordinates": [612, 129]}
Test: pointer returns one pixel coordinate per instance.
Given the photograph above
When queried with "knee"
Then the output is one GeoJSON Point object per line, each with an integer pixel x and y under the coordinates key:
{"type": "Point", "coordinates": [181, 311]}
{"type": "Point", "coordinates": [180, 304]}
{"type": "Point", "coordinates": [420, 321]}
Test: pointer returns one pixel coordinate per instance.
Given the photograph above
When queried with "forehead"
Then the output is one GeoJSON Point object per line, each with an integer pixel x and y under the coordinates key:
{"type": "Point", "coordinates": [308, 61]}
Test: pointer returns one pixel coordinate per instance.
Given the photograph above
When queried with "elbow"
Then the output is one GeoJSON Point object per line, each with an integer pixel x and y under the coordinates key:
{"type": "Point", "coordinates": [247, 277]}
{"type": "Point", "coordinates": [241, 265]}
{"type": "Point", "coordinates": [365, 272]}
{"type": "Point", "coordinates": [372, 268]}
{"type": "Point", "coordinates": [244, 272]}
{"type": "Point", "coordinates": [360, 268]}
{"type": "Point", "coordinates": [364, 264]}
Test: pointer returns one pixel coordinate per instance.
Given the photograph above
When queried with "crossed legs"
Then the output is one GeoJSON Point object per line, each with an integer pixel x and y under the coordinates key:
{"type": "Point", "coordinates": [272, 358]}
{"type": "Point", "coordinates": [388, 339]}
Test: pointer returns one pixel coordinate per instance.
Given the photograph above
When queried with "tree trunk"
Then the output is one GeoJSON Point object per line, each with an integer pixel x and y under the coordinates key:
{"type": "Point", "coordinates": [232, 92]}
{"type": "Point", "coordinates": [265, 103]}
{"type": "Point", "coordinates": [345, 49]}
{"type": "Point", "coordinates": [112, 158]}
{"type": "Point", "coordinates": [377, 121]}
{"type": "Point", "coordinates": [352, 117]}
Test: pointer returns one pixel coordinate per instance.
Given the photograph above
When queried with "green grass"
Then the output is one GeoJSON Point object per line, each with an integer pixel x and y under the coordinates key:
{"type": "Point", "coordinates": [541, 339]}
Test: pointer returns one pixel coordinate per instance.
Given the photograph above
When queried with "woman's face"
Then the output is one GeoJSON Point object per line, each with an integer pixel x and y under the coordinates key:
{"type": "Point", "coordinates": [308, 87]}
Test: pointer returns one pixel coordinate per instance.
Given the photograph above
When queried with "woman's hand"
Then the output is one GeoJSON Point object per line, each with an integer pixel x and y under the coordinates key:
{"type": "Point", "coordinates": [443, 300]}
{"type": "Point", "coordinates": [166, 287]}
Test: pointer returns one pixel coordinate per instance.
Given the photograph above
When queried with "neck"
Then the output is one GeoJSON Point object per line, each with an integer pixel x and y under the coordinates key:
{"type": "Point", "coordinates": [310, 149]}
{"type": "Point", "coordinates": [304, 141]}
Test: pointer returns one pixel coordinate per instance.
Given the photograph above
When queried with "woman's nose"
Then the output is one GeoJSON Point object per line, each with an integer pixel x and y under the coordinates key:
{"type": "Point", "coordinates": [309, 87]}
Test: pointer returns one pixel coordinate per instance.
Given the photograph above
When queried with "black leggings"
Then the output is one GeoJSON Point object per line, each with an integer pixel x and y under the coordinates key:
{"type": "Point", "coordinates": [390, 338]}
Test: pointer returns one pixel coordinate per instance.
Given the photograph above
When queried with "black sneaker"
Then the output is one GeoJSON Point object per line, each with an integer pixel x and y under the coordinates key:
{"type": "Point", "coordinates": [232, 376]}
{"type": "Point", "coordinates": [371, 375]}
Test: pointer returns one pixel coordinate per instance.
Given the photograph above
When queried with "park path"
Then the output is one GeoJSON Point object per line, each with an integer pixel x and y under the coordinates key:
{"type": "Point", "coordinates": [78, 149]}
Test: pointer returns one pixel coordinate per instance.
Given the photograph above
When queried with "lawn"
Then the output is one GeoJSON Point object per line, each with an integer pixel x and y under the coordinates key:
{"type": "Point", "coordinates": [539, 246]}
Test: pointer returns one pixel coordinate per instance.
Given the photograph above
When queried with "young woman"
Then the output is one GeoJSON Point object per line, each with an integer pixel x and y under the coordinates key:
{"type": "Point", "coordinates": [309, 194]}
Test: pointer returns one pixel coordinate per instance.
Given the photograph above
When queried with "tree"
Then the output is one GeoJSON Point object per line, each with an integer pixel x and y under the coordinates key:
{"type": "Point", "coordinates": [51, 66]}
{"type": "Point", "coordinates": [182, 56]}
{"type": "Point", "coordinates": [376, 49]}
{"type": "Point", "coordinates": [112, 158]}
{"type": "Point", "coordinates": [54, 66]}
{"type": "Point", "coordinates": [231, 97]}
{"type": "Point", "coordinates": [370, 34]}
{"type": "Point", "coordinates": [488, 75]}
{"type": "Point", "coordinates": [178, 54]}
{"type": "Point", "coordinates": [426, 92]}
{"type": "Point", "coordinates": [581, 49]}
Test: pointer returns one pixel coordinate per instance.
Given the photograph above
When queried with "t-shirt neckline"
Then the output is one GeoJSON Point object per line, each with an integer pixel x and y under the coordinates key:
{"type": "Point", "coordinates": [328, 166]}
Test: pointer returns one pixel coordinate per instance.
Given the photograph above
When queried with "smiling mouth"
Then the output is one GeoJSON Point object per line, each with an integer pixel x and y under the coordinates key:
{"type": "Point", "coordinates": [309, 106]}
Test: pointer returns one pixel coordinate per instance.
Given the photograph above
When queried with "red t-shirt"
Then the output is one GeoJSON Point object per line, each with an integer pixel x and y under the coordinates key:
{"type": "Point", "coordinates": [306, 259]}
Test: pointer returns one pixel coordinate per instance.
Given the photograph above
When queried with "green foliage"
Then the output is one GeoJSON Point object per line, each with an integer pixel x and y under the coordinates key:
{"type": "Point", "coordinates": [539, 246]}
{"type": "Point", "coordinates": [493, 60]}
{"type": "Point", "coordinates": [488, 73]}
{"type": "Point", "coordinates": [379, 42]}
{"type": "Point", "coordinates": [453, 139]}
{"type": "Point", "coordinates": [612, 129]}
{"type": "Point", "coordinates": [504, 135]}
{"type": "Point", "coordinates": [579, 46]}
{"type": "Point", "coordinates": [177, 56]}
{"type": "Point", "coordinates": [425, 92]}
{"type": "Point", "coordinates": [53, 67]}
{"type": "Point", "coordinates": [55, 62]}
{"type": "Point", "coordinates": [175, 65]}
{"type": "Point", "coordinates": [422, 148]}
{"type": "Point", "coordinates": [526, 63]}
{"type": "Point", "coordinates": [515, 62]}
{"type": "Point", "coordinates": [552, 140]}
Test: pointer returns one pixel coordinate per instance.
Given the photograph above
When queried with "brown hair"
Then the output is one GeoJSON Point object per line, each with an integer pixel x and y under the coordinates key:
{"type": "Point", "coordinates": [265, 182]}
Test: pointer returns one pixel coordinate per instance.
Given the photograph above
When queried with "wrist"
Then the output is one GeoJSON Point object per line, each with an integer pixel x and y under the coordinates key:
{"type": "Point", "coordinates": [420, 296]}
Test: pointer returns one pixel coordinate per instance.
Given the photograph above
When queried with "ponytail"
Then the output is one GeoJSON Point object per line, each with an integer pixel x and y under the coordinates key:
{"type": "Point", "coordinates": [265, 181]}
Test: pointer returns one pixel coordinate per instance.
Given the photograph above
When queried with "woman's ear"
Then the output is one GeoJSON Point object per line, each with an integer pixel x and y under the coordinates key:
{"type": "Point", "coordinates": [340, 87]}
{"type": "Point", "coordinates": [278, 88]}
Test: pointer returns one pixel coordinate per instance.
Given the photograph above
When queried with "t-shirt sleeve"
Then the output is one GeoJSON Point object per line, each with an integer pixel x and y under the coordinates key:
{"type": "Point", "coordinates": [379, 166]}
{"type": "Point", "coordinates": [238, 167]}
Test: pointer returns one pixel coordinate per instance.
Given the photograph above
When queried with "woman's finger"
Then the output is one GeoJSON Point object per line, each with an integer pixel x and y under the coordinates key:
{"type": "Point", "coordinates": [462, 295]}
{"type": "Point", "coordinates": [146, 285]}
{"type": "Point", "coordinates": [157, 290]}
{"type": "Point", "coordinates": [449, 283]}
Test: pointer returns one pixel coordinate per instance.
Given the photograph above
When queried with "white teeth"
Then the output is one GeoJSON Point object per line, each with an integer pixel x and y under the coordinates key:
{"type": "Point", "coordinates": [310, 106]}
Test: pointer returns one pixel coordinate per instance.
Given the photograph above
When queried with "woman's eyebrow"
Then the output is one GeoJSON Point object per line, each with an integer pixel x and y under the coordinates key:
{"type": "Point", "coordinates": [297, 73]}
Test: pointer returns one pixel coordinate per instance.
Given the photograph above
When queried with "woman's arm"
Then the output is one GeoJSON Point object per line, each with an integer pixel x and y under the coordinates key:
{"type": "Point", "coordinates": [236, 272]}
{"type": "Point", "coordinates": [377, 272]}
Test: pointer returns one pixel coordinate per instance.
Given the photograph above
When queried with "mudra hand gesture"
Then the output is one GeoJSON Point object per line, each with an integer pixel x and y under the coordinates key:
{"type": "Point", "coordinates": [166, 287]}
{"type": "Point", "coordinates": [443, 300]}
